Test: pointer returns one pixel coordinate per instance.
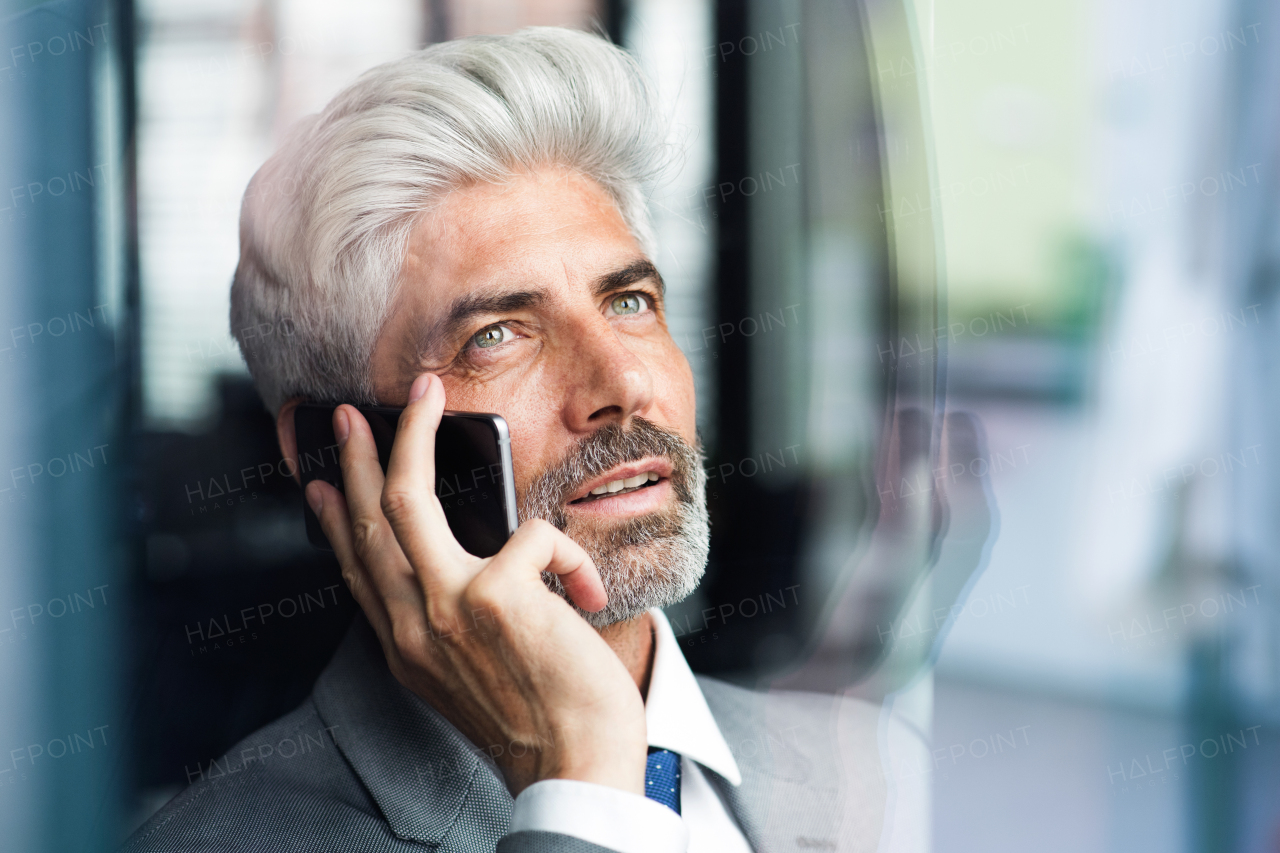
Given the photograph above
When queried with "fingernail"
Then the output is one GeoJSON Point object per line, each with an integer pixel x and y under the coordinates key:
{"type": "Point", "coordinates": [341, 427]}
{"type": "Point", "coordinates": [315, 497]}
{"type": "Point", "coordinates": [419, 387]}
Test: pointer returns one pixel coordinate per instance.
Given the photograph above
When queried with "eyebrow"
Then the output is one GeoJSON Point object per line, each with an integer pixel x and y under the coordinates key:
{"type": "Point", "coordinates": [637, 270]}
{"type": "Point", "coordinates": [465, 308]}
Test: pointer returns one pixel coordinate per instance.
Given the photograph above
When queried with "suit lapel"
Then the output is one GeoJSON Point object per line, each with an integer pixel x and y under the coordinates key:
{"type": "Point", "coordinates": [735, 796]}
{"type": "Point", "coordinates": [740, 722]}
{"type": "Point", "coordinates": [424, 775]}
{"type": "Point", "coordinates": [793, 792]}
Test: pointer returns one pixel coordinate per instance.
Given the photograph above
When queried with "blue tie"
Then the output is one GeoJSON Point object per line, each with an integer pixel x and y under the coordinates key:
{"type": "Point", "coordinates": [662, 778]}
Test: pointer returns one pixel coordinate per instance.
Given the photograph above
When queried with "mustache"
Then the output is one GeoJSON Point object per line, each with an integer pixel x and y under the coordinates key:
{"type": "Point", "coordinates": [606, 448]}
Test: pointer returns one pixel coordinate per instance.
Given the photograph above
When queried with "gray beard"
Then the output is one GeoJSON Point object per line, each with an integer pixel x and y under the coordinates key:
{"type": "Point", "coordinates": [654, 560]}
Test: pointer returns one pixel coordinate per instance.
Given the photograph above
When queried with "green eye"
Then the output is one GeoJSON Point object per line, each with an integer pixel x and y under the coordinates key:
{"type": "Point", "coordinates": [628, 303]}
{"type": "Point", "coordinates": [490, 336]}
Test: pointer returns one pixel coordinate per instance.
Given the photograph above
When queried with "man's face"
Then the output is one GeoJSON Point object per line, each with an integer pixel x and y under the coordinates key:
{"type": "Point", "coordinates": [532, 300]}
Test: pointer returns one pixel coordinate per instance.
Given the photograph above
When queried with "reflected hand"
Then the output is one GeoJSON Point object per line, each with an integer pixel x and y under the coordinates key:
{"type": "Point", "coordinates": [936, 523]}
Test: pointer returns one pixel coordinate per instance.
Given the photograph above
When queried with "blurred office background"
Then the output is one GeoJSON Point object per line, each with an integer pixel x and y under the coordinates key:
{"type": "Point", "coordinates": [1076, 202]}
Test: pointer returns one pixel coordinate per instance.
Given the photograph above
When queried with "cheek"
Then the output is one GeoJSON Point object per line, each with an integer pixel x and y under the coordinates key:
{"type": "Point", "coordinates": [673, 384]}
{"type": "Point", "coordinates": [524, 405]}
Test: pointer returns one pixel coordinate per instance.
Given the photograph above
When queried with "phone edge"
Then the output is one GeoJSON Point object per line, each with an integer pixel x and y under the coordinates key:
{"type": "Point", "coordinates": [508, 466]}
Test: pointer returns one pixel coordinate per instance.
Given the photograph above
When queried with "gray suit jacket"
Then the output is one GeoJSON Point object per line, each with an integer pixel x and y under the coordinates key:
{"type": "Point", "coordinates": [364, 765]}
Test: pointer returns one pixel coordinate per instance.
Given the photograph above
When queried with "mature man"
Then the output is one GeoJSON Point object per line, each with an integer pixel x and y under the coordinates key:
{"type": "Point", "coordinates": [466, 226]}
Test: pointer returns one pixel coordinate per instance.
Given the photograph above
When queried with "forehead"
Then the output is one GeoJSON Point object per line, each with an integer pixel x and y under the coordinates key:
{"type": "Point", "coordinates": [544, 227]}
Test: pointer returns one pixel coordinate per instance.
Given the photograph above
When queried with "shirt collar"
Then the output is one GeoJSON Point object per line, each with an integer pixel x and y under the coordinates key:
{"type": "Point", "coordinates": [676, 712]}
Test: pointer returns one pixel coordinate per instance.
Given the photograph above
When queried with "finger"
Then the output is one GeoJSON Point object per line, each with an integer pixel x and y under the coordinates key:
{"type": "Point", "coordinates": [331, 508]}
{"type": "Point", "coordinates": [408, 498]}
{"type": "Point", "coordinates": [902, 478]}
{"type": "Point", "coordinates": [372, 539]}
{"type": "Point", "coordinates": [964, 474]}
{"type": "Point", "coordinates": [393, 618]}
{"type": "Point", "coordinates": [538, 547]}
{"type": "Point", "coordinates": [972, 518]}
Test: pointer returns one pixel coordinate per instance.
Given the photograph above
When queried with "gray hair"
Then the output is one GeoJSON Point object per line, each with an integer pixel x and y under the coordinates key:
{"type": "Point", "coordinates": [325, 221]}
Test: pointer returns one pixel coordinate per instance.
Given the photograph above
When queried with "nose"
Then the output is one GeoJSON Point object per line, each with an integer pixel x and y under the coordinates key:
{"type": "Point", "coordinates": [608, 381]}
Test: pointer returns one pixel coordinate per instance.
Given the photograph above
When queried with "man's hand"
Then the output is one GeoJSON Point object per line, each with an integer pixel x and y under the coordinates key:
{"type": "Point", "coordinates": [483, 641]}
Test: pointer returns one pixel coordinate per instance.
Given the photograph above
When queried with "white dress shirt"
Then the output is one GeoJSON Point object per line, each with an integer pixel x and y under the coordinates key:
{"type": "Point", "coordinates": [678, 719]}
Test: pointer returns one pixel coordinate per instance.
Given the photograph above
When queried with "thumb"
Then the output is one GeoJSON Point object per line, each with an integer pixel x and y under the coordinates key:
{"type": "Point", "coordinates": [539, 545]}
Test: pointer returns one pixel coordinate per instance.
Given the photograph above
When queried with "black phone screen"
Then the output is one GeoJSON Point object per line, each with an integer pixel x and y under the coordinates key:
{"type": "Point", "coordinates": [473, 470]}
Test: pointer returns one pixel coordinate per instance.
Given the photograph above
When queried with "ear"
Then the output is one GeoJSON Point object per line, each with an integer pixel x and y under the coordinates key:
{"type": "Point", "coordinates": [287, 437]}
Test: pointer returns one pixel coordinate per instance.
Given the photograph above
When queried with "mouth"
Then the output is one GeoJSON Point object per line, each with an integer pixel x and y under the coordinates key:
{"type": "Point", "coordinates": [620, 487]}
{"type": "Point", "coordinates": [624, 480]}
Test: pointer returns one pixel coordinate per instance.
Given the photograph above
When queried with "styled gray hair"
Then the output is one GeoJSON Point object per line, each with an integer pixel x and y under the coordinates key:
{"type": "Point", "coordinates": [325, 221]}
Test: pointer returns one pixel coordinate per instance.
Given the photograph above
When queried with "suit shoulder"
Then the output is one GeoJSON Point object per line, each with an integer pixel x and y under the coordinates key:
{"type": "Point", "coordinates": [281, 788]}
{"type": "Point", "coordinates": [733, 700]}
{"type": "Point", "coordinates": [805, 720]}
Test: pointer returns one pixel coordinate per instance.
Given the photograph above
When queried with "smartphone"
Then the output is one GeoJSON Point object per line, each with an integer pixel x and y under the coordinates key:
{"type": "Point", "coordinates": [473, 470]}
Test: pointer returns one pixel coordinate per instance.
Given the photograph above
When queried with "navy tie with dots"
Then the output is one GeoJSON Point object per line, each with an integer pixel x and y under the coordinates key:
{"type": "Point", "coordinates": [662, 778]}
